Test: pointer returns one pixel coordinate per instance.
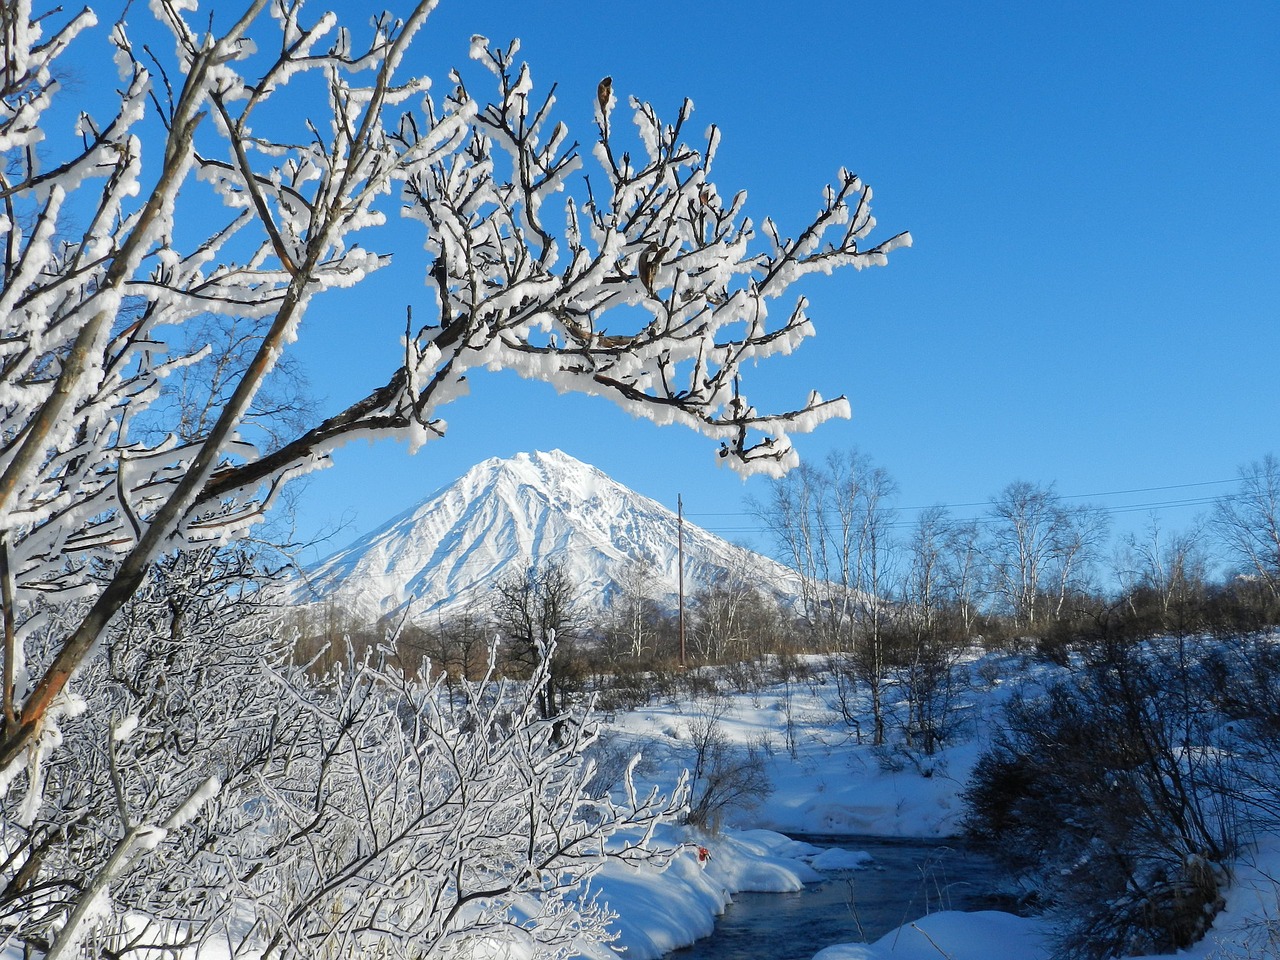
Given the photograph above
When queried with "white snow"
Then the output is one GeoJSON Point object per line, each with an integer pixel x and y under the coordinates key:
{"type": "Point", "coordinates": [191, 806]}
{"type": "Point", "coordinates": [835, 786]}
{"type": "Point", "coordinates": [123, 730]}
{"type": "Point", "coordinates": [504, 516]}
{"type": "Point", "coordinates": [984, 935]}
{"type": "Point", "coordinates": [660, 912]}
{"type": "Point", "coordinates": [831, 786]}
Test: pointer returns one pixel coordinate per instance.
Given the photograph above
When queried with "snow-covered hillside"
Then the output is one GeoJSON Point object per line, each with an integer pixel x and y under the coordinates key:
{"type": "Point", "coordinates": [504, 516]}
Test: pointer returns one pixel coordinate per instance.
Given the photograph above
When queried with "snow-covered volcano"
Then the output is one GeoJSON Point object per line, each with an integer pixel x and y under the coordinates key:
{"type": "Point", "coordinates": [505, 516]}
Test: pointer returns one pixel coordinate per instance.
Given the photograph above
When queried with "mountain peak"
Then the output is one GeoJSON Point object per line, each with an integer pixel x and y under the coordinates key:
{"type": "Point", "coordinates": [504, 516]}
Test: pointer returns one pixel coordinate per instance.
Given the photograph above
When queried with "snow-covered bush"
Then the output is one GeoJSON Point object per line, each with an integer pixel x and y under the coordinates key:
{"type": "Point", "coordinates": [406, 825]}
{"type": "Point", "coordinates": [117, 831]}
{"type": "Point", "coordinates": [212, 789]}
{"type": "Point", "coordinates": [1116, 792]}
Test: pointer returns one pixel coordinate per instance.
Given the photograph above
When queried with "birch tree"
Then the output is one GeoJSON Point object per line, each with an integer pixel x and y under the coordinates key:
{"type": "Point", "coordinates": [1039, 549]}
{"type": "Point", "coordinates": [1248, 523]}
{"type": "Point", "coordinates": [245, 173]}
{"type": "Point", "coordinates": [834, 524]}
{"type": "Point", "coordinates": [1164, 574]}
{"type": "Point", "coordinates": [929, 619]}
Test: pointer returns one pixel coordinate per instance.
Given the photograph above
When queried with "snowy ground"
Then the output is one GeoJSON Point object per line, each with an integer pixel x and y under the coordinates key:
{"type": "Point", "coordinates": [825, 782]}
{"type": "Point", "coordinates": [829, 784]}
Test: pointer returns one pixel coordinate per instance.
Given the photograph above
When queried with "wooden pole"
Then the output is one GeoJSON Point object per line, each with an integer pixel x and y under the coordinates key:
{"type": "Point", "coordinates": [680, 564]}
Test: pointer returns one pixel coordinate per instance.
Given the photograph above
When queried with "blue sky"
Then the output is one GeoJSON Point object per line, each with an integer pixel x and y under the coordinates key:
{"type": "Point", "coordinates": [1093, 298]}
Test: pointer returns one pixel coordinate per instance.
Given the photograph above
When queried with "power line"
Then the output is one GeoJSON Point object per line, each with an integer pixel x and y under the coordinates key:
{"type": "Point", "coordinates": [1110, 510]}
{"type": "Point", "coordinates": [1171, 486]}
{"type": "Point", "coordinates": [1060, 496]}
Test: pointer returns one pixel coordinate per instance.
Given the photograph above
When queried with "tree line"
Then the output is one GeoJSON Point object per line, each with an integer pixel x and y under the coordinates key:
{"type": "Point", "coordinates": [884, 602]}
{"type": "Point", "coordinates": [1032, 565]}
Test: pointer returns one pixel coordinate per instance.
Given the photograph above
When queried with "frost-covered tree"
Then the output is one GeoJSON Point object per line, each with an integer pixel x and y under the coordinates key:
{"type": "Point", "coordinates": [401, 824]}
{"type": "Point", "coordinates": [179, 716]}
{"type": "Point", "coordinates": [251, 159]}
{"type": "Point", "coordinates": [215, 792]}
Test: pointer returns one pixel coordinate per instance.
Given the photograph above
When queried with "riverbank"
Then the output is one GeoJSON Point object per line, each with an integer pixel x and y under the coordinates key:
{"type": "Point", "coordinates": [825, 782]}
{"type": "Point", "coordinates": [663, 911]}
{"type": "Point", "coordinates": [873, 882]}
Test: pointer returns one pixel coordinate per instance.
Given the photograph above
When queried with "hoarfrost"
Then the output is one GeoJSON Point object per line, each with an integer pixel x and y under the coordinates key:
{"type": "Point", "coordinates": [188, 810]}
{"type": "Point", "coordinates": [661, 303]}
{"type": "Point", "coordinates": [125, 728]}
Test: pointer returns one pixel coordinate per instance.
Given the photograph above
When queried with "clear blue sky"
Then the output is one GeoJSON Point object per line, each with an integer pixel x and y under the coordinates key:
{"type": "Point", "coordinates": [1093, 298]}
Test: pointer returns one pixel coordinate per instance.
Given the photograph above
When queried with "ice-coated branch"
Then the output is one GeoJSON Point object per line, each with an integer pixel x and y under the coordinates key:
{"type": "Point", "coordinates": [656, 239]}
{"type": "Point", "coordinates": [647, 287]}
{"type": "Point", "coordinates": [86, 323]}
{"type": "Point", "coordinates": [418, 821]}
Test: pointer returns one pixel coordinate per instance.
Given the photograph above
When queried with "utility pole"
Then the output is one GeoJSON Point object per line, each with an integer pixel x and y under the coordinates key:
{"type": "Point", "coordinates": [680, 565]}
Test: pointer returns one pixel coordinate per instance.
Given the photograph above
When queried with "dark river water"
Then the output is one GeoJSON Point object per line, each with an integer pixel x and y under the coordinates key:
{"type": "Point", "coordinates": [906, 880]}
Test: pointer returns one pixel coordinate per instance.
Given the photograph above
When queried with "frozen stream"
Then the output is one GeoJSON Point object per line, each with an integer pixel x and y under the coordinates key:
{"type": "Point", "coordinates": [905, 880]}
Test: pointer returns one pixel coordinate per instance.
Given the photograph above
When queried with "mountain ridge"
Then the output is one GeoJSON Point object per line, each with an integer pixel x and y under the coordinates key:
{"type": "Point", "coordinates": [504, 516]}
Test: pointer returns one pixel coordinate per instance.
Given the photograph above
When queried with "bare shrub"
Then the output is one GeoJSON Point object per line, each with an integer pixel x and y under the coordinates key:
{"type": "Point", "coordinates": [1109, 792]}
{"type": "Point", "coordinates": [723, 777]}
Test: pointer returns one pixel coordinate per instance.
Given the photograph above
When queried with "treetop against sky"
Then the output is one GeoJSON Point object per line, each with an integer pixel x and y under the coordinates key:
{"type": "Point", "coordinates": [1091, 297]}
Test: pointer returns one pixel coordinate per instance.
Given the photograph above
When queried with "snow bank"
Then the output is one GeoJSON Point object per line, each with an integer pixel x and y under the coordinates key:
{"type": "Point", "coordinates": [846, 791]}
{"type": "Point", "coordinates": [660, 912]}
{"type": "Point", "coordinates": [986, 935]}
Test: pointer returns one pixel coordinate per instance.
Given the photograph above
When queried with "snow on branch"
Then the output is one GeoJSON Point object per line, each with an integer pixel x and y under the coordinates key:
{"type": "Point", "coordinates": [650, 291]}
{"type": "Point", "coordinates": [453, 821]}
{"type": "Point", "coordinates": [94, 308]}
{"type": "Point", "coordinates": [647, 286]}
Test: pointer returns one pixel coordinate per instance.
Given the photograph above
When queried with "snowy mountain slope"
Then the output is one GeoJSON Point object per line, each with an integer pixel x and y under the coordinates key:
{"type": "Point", "coordinates": [504, 516]}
